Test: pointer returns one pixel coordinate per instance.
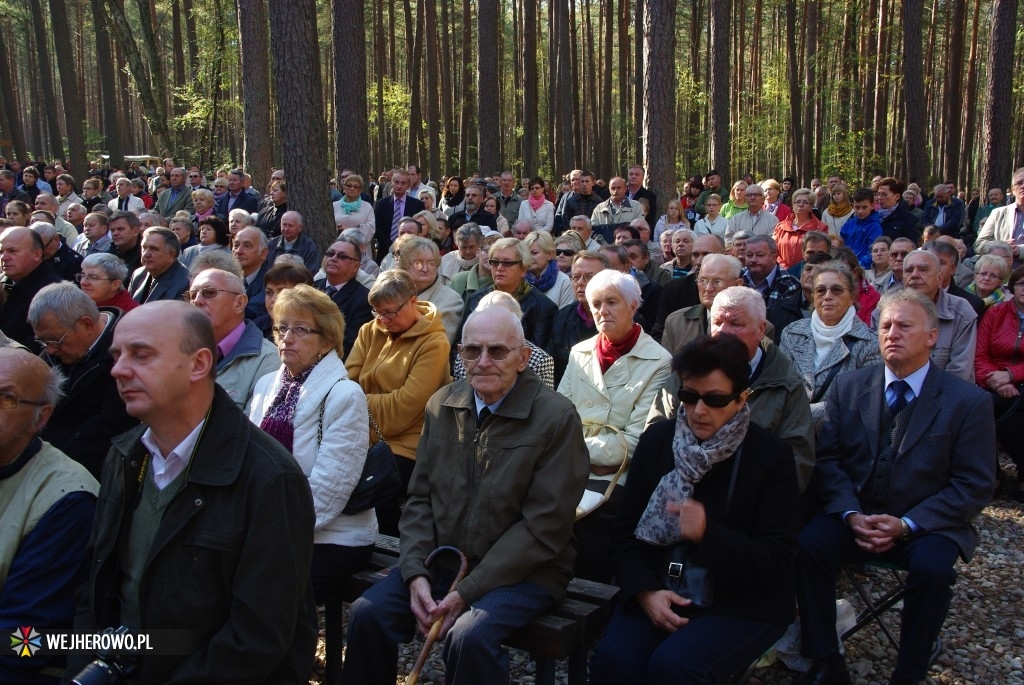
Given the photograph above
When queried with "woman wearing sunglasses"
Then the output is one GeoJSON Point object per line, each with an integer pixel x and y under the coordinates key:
{"type": "Point", "coordinates": [833, 339]}
{"type": "Point", "coordinates": [719, 494]}
{"type": "Point", "coordinates": [612, 379]}
{"type": "Point", "coordinates": [400, 359]}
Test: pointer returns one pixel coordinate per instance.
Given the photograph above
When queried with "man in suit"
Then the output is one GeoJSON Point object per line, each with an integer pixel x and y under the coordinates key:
{"type": "Point", "coordinates": [635, 190]}
{"type": "Point", "coordinates": [125, 201]}
{"type": "Point", "coordinates": [236, 197]}
{"type": "Point", "coordinates": [1006, 223]}
{"type": "Point", "coordinates": [390, 209]}
{"type": "Point", "coordinates": [161, 276]}
{"type": "Point", "coordinates": [905, 461]}
{"type": "Point", "coordinates": [175, 198]}
{"type": "Point", "coordinates": [681, 293]}
{"type": "Point", "coordinates": [251, 249]}
{"type": "Point", "coordinates": [341, 264]}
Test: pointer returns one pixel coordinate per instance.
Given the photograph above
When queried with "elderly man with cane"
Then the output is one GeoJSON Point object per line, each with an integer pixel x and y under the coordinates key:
{"type": "Point", "coordinates": [499, 470]}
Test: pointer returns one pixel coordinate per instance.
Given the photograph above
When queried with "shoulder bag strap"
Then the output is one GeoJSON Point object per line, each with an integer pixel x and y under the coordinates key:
{"type": "Point", "coordinates": [833, 372]}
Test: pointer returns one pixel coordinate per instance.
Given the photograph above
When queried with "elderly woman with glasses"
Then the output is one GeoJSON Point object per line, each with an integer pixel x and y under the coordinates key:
{"type": "Point", "coordinates": [612, 379]}
{"type": "Point", "coordinates": [790, 232]}
{"type": "Point", "coordinates": [421, 258]}
{"type": "Point", "coordinates": [510, 260]}
{"type": "Point", "coordinates": [716, 493]}
{"type": "Point", "coordinates": [990, 272]}
{"type": "Point", "coordinates": [319, 415]}
{"type": "Point", "coordinates": [834, 339]}
{"type": "Point", "coordinates": [351, 211]}
{"type": "Point", "coordinates": [400, 359]}
{"type": "Point", "coordinates": [102, 279]}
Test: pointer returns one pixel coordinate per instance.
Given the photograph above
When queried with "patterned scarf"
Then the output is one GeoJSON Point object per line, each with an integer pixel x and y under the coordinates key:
{"type": "Point", "coordinates": [883, 214]}
{"type": "Point", "coordinates": [522, 291]}
{"type": "Point", "coordinates": [693, 459]}
{"type": "Point", "coordinates": [997, 295]}
{"type": "Point", "coordinates": [536, 203]}
{"type": "Point", "coordinates": [278, 421]}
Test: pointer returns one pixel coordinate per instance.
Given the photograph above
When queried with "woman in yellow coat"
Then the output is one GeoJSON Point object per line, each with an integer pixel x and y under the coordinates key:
{"type": "Point", "coordinates": [400, 359]}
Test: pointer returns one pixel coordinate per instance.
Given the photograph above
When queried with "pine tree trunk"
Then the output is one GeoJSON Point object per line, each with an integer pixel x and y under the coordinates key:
{"type": "Point", "coordinates": [954, 93]}
{"type": "Point", "coordinates": [12, 125]}
{"type": "Point", "coordinates": [488, 153]}
{"type": "Point", "coordinates": [72, 104]}
{"type": "Point", "coordinates": [967, 176]}
{"type": "Point", "coordinates": [56, 149]}
{"type": "Point", "coordinates": [303, 132]}
{"type": "Point", "coordinates": [996, 155]}
{"type": "Point", "coordinates": [795, 106]}
{"type": "Point", "coordinates": [659, 108]}
{"type": "Point", "coordinates": [915, 149]}
{"type": "Point", "coordinates": [719, 128]}
{"type": "Point", "coordinates": [531, 132]}
{"type": "Point", "coordinates": [254, 44]}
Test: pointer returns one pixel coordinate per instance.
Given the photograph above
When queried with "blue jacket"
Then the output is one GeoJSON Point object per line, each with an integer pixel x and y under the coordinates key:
{"type": "Point", "coordinates": [859, 234]}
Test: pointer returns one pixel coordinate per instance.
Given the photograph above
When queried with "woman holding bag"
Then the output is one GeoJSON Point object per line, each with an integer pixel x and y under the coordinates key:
{"type": "Point", "coordinates": [312, 408]}
{"type": "Point", "coordinates": [720, 494]}
{"type": "Point", "coordinates": [612, 379]}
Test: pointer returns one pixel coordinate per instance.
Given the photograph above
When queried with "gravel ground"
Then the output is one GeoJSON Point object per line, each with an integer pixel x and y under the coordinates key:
{"type": "Point", "coordinates": [983, 637]}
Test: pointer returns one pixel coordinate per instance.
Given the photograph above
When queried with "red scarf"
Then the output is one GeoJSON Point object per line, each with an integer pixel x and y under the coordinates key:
{"type": "Point", "coordinates": [608, 351]}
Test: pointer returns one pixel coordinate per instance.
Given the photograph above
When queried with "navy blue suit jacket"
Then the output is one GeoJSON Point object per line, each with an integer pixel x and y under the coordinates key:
{"type": "Point", "coordinates": [944, 471]}
{"type": "Point", "coordinates": [383, 214]}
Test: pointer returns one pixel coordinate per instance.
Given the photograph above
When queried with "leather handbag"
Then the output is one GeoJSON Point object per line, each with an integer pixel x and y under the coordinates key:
{"type": "Point", "coordinates": [682, 575]}
{"type": "Point", "coordinates": [379, 482]}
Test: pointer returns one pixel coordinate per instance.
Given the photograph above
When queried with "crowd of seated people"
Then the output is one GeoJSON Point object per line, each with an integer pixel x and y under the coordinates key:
{"type": "Point", "coordinates": [733, 387]}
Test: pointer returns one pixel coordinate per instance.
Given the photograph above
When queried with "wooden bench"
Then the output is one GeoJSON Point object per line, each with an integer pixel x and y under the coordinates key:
{"type": "Point", "coordinates": [566, 631]}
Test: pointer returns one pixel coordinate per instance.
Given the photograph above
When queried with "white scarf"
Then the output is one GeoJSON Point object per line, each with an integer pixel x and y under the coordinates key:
{"type": "Point", "coordinates": [827, 336]}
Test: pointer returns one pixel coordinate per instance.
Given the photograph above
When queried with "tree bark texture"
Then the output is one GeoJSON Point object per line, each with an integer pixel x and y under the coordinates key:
{"type": "Point", "coordinates": [46, 81]}
{"type": "Point", "coordinates": [996, 160]}
{"type": "Point", "coordinates": [254, 44]}
{"type": "Point", "coordinates": [72, 104]}
{"type": "Point", "coordinates": [720, 155]}
{"type": "Point", "coordinates": [659, 107]}
{"type": "Point", "coordinates": [302, 130]}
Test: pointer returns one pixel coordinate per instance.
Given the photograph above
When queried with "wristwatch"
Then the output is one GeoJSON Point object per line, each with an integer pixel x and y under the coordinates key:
{"type": "Point", "coordinates": [907, 532]}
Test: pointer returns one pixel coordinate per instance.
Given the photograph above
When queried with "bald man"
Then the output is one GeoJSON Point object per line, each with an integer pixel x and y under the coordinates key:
{"type": "Point", "coordinates": [25, 273]}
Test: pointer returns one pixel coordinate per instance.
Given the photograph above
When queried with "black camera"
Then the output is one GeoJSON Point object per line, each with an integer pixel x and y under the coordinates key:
{"type": "Point", "coordinates": [110, 667]}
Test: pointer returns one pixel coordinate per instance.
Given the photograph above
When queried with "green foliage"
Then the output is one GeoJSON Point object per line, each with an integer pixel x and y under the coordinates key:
{"type": "Point", "coordinates": [397, 103]}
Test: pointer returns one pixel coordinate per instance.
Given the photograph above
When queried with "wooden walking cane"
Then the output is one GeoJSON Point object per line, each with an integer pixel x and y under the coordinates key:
{"type": "Point", "coordinates": [435, 629]}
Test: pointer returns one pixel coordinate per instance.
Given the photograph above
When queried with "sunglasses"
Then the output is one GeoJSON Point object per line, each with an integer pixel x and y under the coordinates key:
{"type": "Point", "coordinates": [507, 263]}
{"type": "Point", "coordinates": [562, 252]}
{"type": "Point", "coordinates": [713, 400]}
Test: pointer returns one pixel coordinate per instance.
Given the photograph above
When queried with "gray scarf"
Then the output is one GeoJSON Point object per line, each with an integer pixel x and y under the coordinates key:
{"type": "Point", "coordinates": [693, 459]}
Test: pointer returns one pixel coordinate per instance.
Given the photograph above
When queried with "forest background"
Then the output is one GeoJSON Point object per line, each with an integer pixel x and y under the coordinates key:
{"type": "Point", "coordinates": [922, 89]}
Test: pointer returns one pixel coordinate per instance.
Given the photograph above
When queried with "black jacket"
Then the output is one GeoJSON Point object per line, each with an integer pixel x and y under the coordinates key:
{"type": "Point", "coordinates": [567, 329]}
{"type": "Point", "coordinates": [679, 293]}
{"type": "Point", "coordinates": [749, 549]}
{"type": "Point", "coordinates": [230, 561]}
{"type": "Point", "coordinates": [14, 313]}
{"type": "Point", "coordinates": [353, 302]}
{"type": "Point", "coordinates": [383, 214]}
{"type": "Point", "coordinates": [91, 412]}
{"type": "Point", "coordinates": [66, 262]}
{"type": "Point", "coordinates": [902, 224]}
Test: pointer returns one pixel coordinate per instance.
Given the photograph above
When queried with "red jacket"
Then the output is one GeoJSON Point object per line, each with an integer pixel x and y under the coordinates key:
{"type": "Point", "coordinates": [998, 347]}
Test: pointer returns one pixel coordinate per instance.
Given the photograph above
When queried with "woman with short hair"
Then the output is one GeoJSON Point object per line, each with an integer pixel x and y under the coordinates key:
{"type": "Point", "coordinates": [213, 236]}
{"type": "Point", "coordinates": [537, 210]}
{"type": "Point", "coordinates": [352, 211]}
{"type": "Point", "coordinates": [990, 272]}
{"type": "Point", "coordinates": [544, 273]}
{"type": "Point", "coordinates": [102, 278]}
{"type": "Point", "coordinates": [421, 259]}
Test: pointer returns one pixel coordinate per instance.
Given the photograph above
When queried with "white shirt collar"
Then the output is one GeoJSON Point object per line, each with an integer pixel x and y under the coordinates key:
{"type": "Point", "coordinates": [166, 469]}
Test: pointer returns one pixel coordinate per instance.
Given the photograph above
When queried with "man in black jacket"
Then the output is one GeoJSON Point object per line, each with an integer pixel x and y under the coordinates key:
{"type": "Point", "coordinates": [897, 221]}
{"type": "Point", "coordinates": [25, 273]}
{"type": "Point", "coordinates": [389, 211]}
{"type": "Point", "coordinates": [198, 505]}
{"type": "Point", "coordinates": [76, 337]}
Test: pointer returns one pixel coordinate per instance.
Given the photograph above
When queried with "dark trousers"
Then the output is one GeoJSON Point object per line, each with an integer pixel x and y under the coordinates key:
{"type": "Point", "coordinates": [473, 654]}
{"type": "Point", "coordinates": [332, 564]}
{"type": "Point", "coordinates": [593, 556]}
{"type": "Point", "coordinates": [827, 544]}
{"type": "Point", "coordinates": [708, 649]}
{"type": "Point", "coordinates": [1011, 433]}
{"type": "Point", "coordinates": [390, 512]}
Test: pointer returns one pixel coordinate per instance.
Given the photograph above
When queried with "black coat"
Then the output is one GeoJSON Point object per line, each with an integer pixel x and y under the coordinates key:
{"type": "Point", "coordinates": [480, 218]}
{"type": "Point", "coordinates": [247, 201]}
{"type": "Point", "coordinates": [679, 293]}
{"type": "Point", "coordinates": [91, 412]}
{"type": "Point", "coordinates": [14, 313]}
{"type": "Point", "coordinates": [902, 224]}
{"type": "Point", "coordinates": [567, 329]}
{"type": "Point", "coordinates": [383, 214]}
{"type": "Point", "coordinates": [353, 302]}
{"type": "Point", "coordinates": [538, 314]}
{"type": "Point", "coordinates": [229, 563]}
{"type": "Point", "coordinates": [749, 549]}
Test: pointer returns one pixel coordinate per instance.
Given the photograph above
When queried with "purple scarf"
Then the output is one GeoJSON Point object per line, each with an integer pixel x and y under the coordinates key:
{"type": "Point", "coordinates": [278, 421]}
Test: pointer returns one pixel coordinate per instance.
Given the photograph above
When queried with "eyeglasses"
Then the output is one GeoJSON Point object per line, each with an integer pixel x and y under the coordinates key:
{"type": "Point", "coordinates": [55, 344]}
{"type": "Point", "coordinates": [386, 315]}
{"type": "Point", "coordinates": [713, 400]}
{"type": "Point", "coordinates": [714, 283]}
{"type": "Point", "coordinates": [801, 202]}
{"type": "Point", "coordinates": [496, 353]}
{"type": "Point", "coordinates": [988, 274]}
{"type": "Point", "coordinates": [90, 277]}
{"type": "Point", "coordinates": [507, 263]}
{"type": "Point", "coordinates": [562, 252]}
{"type": "Point", "coordinates": [297, 331]}
{"type": "Point", "coordinates": [351, 185]}
{"type": "Point", "coordinates": [836, 290]}
{"type": "Point", "coordinates": [9, 401]}
{"type": "Point", "coordinates": [208, 293]}
{"type": "Point", "coordinates": [424, 264]}
{"type": "Point", "coordinates": [337, 254]}
{"type": "Point", "coordinates": [898, 253]}
{"type": "Point", "coordinates": [581, 278]}
{"type": "Point", "coordinates": [193, 175]}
